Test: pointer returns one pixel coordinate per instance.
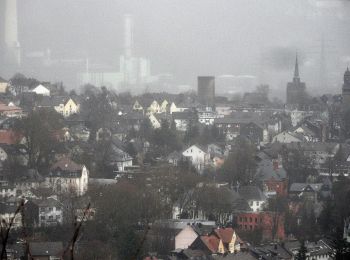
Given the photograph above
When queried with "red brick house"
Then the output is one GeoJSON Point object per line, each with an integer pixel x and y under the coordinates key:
{"type": "Point", "coordinates": [270, 223]}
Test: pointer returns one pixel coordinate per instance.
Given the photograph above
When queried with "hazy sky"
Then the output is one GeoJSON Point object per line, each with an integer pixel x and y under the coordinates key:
{"type": "Point", "coordinates": [198, 37]}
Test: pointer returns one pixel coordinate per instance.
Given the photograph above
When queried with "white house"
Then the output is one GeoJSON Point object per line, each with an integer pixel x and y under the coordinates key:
{"type": "Point", "coordinates": [288, 137]}
{"type": "Point", "coordinates": [50, 212]}
{"type": "Point", "coordinates": [198, 156]}
{"type": "Point", "coordinates": [67, 176]}
{"type": "Point", "coordinates": [66, 106]}
{"type": "Point", "coordinates": [185, 237]}
{"type": "Point", "coordinates": [254, 196]}
{"type": "Point", "coordinates": [41, 90]}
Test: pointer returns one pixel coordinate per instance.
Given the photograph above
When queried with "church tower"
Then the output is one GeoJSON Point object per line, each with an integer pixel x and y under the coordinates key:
{"type": "Point", "coordinates": [346, 91]}
{"type": "Point", "coordinates": [296, 89]}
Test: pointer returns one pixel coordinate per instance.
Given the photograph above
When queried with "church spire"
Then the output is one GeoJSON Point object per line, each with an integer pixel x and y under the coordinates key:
{"type": "Point", "coordinates": [296, 69]}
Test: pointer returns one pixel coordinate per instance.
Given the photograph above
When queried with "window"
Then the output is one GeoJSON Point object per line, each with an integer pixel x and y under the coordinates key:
{"type": "Point", "coordinates": [250, 220]}
{"type": "Point", "coordinates": [58, 216]}
{"type": "Point", "coordinates": [42, 217]}
{"type": "Point", "coordinates": [256, 220]}
{"type": "Point", "coordinates": [257, 203]}
{"type": "Point", "coordinates": [50, 209]}
{"type": "Point", "coordinates": [50, 217]}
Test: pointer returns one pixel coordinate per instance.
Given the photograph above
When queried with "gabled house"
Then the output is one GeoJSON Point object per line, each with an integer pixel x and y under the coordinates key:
{"type": "Point", "coordinates": [118, 158]}
{"type": "Point", "coordinates": [305, 191]}
{"type": "Point", "coordinates": [41, 90]}
{"type": "Point", "coordinates": [272, 177]}
{"type": "Point", "coordinates": [7, 213]}
{"type": "Point", "coordinates": [67, 176]}
{"type": "Point", "coordinates": [254, 196]}
{"type": "Point", "coordinates": [288, 137]}
{"type": "Point", "coordinates": [63, 105]}
{"type": "Point", "coordinates": [137, 106]}
{"type": "Point", "coordinates": [4, 85]}
{"type": "Point", "coordinates": [308, 134]}
{"type": "Point", "coordinates": [219, 241]}
{"type": "Point", "coordinates": [50, 212]}
{"type": "Point", "coordinates": [66, 106]}
{"type": "Point", "coordinates": [183, 119]}
{"type": "Point", "coordinates": [46, 251]}
{"type": "Point", "coordinates": [10, 110]}
{"type": "Point", "coordinates": [154, 108]}
{"type": "Point", "coordinates": [198, 156]}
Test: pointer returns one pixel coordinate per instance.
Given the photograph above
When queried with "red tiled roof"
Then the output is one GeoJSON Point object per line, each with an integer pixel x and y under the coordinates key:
{"type": "Point", "coordinates": [225, 234]}
{"type": "Point", "coordinates": [211, 242]}
{"type": "Point", "coordinates": [9, 137]}
{"type": "Point", "coordinates": [5, 108]}
{"type": "Point", "coordinates": [67, 165]}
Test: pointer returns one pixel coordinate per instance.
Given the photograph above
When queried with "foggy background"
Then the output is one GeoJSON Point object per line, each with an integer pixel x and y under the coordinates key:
{"type": "Point", "coordinates": [188, 38]}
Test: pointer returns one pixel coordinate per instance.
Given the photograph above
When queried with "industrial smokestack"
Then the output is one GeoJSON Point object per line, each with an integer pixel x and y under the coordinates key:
{"type": "Point", "coordinates": [128, 35]}
{"type": "Point", "coordinates": [12, 46]}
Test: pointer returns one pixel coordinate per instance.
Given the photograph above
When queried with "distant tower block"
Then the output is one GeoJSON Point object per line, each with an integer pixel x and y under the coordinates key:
{"type": "Point", "coordinates": [12, 46]}
{"type": "Point", "coordinates": [128, 35]}
{"type": "Point", "coordinates": [206, 90]}
{"type": "Point", "coordinates": [346, 91]}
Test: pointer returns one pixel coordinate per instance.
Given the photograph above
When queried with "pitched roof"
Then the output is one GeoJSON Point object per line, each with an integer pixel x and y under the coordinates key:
{"type": "Point", "coordinates": [225, 234]}
{"type": "Point", "coordinates": [267, 171]}
{"type": "Point", "coordinates": [211, 242]}
{"type": "Point", "coordinates": [2, 80]}
{"type": "Point", "coordinates": [299, 187]}
{"type": "Point", "coordinates": [9, 137]}
{"type": "Point", "coordinates": [46, 248]}
{"type": "Point", "coordinates": [66, 164]}
{"type": "Point", "coordinates": [49, 202]}
{"type": "Point", "coordinates": [251, 193]}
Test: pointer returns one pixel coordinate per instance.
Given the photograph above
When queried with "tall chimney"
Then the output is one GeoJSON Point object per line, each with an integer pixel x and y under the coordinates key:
{"type": "Point", "coordinates": [128, 35]}
{"type": "Point", "coordinates": [12, 45]}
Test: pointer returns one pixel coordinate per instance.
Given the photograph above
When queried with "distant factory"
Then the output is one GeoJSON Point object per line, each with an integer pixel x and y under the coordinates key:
{"type": "Point", "coordinates": [133, 71]}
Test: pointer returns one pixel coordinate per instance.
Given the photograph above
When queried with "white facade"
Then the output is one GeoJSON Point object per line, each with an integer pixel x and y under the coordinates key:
{"type": "Point", "coordinates": [185, 238]}
{"type": "Point", "coordinates": [65, 183]}
{"type": "Point", "coordinates": [286, 137]}
{"type": "Point", "coordinates": [41, 90]}
{"type": "Point", "coordinates": [199, 158]}
{"type": "Point", "coordinates": [256, 205]}
{"type": "Point", "coordinates": [50, 213]}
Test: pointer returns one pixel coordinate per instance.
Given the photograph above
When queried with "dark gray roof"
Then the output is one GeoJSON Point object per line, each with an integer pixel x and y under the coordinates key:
{"type": "Point", "coordinates": [50, 202]}
{"type": "Point", "coordinates": [299, 187]}
{"type": "Point", "coordinates": [2, 80]}
{"type": "Point", "coordinates": [251, 193]}
{"type": "Point", "coordinates": [46, 248]}
{"type": "Point", "coordinates": [236, 256]}
{"type": "Point", "coordinates": [266, 171]}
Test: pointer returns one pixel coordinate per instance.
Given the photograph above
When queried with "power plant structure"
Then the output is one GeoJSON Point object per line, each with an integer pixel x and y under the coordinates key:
{"type": "Point", "coordinates": [133, 71]}
{"type": "Point", "coordinates": [10, 46]}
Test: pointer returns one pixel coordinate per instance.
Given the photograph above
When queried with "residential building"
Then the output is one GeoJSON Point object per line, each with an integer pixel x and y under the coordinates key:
{"type": "Point", "coordinates": [271, 224]}
{"type": "Point", "coordinates": [198, 156]}
{"type": "Point", "coordinates": [254, 196]}
{"type": "Point", "coordinates": [46, 251]}
{"type": "Point", "coordinates": [50, 212]}
{"type": "Point", "coordinates": [4, 85]}
{"type": "Point", "coordinates": [41, 90]}
{"type": "Point", "coordinates": [68, 176]}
